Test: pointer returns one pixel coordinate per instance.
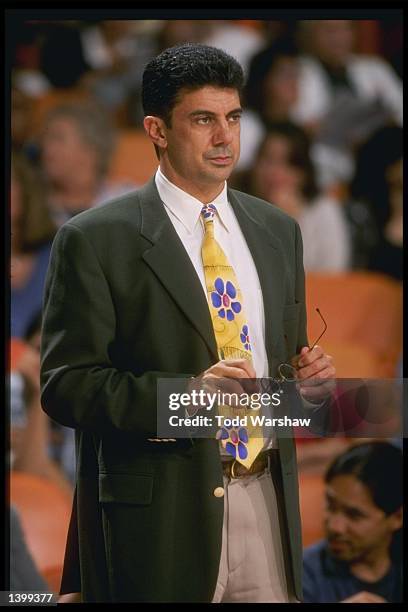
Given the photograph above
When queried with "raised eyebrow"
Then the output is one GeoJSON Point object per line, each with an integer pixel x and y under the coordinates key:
{"type": "Point", "coordinates": [236, 111]}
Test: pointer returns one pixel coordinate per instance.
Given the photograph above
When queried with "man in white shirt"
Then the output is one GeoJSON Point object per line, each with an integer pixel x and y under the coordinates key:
{"type": "Point", "coordinates": [125, 306]}
{"type": "Point", "coordinates": [343, 96]}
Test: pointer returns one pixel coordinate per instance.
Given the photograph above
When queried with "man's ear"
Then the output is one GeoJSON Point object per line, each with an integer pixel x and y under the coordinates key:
{"type": "Point", "coordinates": [156, 131]}
{"type": "Point", "coordinates": [397, 519]}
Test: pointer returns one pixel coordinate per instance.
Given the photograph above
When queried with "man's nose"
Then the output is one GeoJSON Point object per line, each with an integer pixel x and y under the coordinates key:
{"type": "Point", "coordinates": [223, 133]}
{"type": "Point", "coordinates": [336, 523]}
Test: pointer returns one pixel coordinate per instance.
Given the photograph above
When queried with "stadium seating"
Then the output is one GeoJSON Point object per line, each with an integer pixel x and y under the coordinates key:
{"type": "Point", "coordinates": [134, 158]}
{"type": "Point", "coordinates": [311, 498]}
{"type": "Point", "coordinates": [363, 312]}
{"type": "Point", "coordinates": [45, 511]}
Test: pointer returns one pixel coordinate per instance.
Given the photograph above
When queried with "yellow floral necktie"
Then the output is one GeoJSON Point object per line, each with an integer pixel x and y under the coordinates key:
{"type": "Point", "coordinates": [231, 333]}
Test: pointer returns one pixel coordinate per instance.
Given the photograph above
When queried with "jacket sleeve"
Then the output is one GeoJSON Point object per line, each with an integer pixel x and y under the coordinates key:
{"type": "Point", "coordinates": [80, 387]}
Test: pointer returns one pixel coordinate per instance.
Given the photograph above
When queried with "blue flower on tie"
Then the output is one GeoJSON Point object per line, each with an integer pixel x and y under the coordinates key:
{"type": "Point", "coordinates": [245, 337]}
{"type": "Point", "coordinates": [208, 211]}
{"type": "Point", "coordinates": [237, 440]}
{"type": "Point", "coordinates": [223, 299]}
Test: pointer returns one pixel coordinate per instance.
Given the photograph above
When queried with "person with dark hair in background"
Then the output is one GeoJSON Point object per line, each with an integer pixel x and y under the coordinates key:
{"type": "Point", "coordinates": [129, 302]}
{"type": "Point", "coordinates": [360, 561]}
{"type": "Point", "coordinates": [331, 67]}
{"type": "Point", "coordinates": [270, 94]}
{"type": "Point", "coordinates": [283, 173]}
{"type": "Point", "coordinates": [61, 43]}
{"type": "Point", "coordinates": [32, 231]}
{"type": "Point", "coordinates": [344, 96]}
{"type": "Point", "coordinates": [376, 203]}
{"type": "Point", "coordinates": [272, 86]}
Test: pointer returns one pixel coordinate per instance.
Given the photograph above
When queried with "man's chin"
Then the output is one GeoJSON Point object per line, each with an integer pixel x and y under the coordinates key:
{"type": "Point", "coordinates": [224, 172]}
{"type": "Point", "coordinates": [340, 551]}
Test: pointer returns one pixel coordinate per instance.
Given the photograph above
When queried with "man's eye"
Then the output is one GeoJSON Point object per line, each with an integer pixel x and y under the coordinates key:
{"type": "Point", "coordinates": [203, 120]}
{"type": "Point", "coordinates": [235, 118]}
{"type": "Point", "coordinates": [354, 515]}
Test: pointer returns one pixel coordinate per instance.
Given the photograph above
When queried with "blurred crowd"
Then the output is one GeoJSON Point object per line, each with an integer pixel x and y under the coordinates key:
{"type": "Point", "coordinates": [321, 138]}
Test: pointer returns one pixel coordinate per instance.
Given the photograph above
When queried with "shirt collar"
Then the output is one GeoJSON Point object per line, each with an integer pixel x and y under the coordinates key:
{"type": "Point", "coordinates": [186, 207]}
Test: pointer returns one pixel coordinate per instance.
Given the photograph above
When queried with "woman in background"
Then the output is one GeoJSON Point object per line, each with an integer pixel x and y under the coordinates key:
{"type": "Point", "coordinates": [283, 174]}
{"type": "Point", "coordinates": [77, 145]}
{"type": "Point", "coordinates": [376, 203]}
{"type": "Point", "coordinates": [32, 231]}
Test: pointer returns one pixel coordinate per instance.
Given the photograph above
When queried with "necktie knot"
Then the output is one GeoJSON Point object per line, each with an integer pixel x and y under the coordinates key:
{"type": "Point", "coordinates": [208, 211]}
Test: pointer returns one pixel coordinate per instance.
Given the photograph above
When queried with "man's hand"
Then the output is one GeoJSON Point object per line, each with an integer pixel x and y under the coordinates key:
{"type": "Point", "coordinates": [227, 376]}
{"type": "Point", "coordinates": [364, 597]}
{"type": "Point", "coordinates": [315, 372]}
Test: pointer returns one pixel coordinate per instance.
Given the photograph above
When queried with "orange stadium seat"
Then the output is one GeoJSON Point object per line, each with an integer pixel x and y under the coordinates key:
{"type": "Point", "coordinates": [363, 312]}
{"type": "Point", "coordinates": [311, 498]}
{"type": "Point", "coordinates": [352, 360]}
{"type": "Point", "coordinates": [17, 349]}
{"type": "Point", "coordinates": [134, 158]}
{"type": "Point", "coordinates": [45, 511]}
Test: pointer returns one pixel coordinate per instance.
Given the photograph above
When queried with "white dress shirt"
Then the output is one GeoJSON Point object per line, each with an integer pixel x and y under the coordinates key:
{"type": "Point", "coordinates": [184, 212]}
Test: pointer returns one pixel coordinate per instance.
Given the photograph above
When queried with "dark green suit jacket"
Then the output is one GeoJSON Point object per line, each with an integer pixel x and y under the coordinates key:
{"type": "Point", "coordinates": [124, 306]}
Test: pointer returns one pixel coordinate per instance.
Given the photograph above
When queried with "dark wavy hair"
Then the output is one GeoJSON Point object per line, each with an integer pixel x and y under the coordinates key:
{"type": "Point", "coordinates": [36, 226]}
{"type": "Point", "coordinates": [299, 153]}
{"type": "Point", "coordinates": [261, 65]}
{"type": "Point", "coordinates": [186, 67]}
{"type": "Point", "coordinates": [378, 466]}
{"type": "Point", "coordinates": [369, 183]}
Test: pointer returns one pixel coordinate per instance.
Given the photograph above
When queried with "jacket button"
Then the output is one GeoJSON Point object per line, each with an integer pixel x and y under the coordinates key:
{"type": "Point", "coordinates": [219, 492]}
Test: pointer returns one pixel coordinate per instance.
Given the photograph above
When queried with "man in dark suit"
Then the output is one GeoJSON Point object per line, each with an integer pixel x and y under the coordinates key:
{"type": "Point", "coordinates": [125, 305]}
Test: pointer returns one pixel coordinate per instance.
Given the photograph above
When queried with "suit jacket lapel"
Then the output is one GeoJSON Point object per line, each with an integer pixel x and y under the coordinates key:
{"type": "Point", "coordinates": [266, 250]}
{"type": "Point", "coordinates": [169, 260]}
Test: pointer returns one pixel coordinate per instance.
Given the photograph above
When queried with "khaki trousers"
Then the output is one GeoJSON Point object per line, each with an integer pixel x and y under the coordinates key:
{"type": "Point", "coordinates": [252, 565]}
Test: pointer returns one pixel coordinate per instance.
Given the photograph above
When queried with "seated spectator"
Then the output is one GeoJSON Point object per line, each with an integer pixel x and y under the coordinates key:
{"type": "Point", "coordinates": [229, 35]}
{"type": "Point", "coordinates": [32, 231]}
{"type": "Point", "coordinates": [61, 43]}
{"type": "Point", "coordinates": [273, 82]}
{"type": "Point", "coordinates": [330, 66]}
{"type": "Point", "coordinates": [360, 561]}
{"type": "Point", "coordinates": [271, 93]}
{"type": "Point", "coordinates": [283, 174]}
{"type": "Point", "coordinates": [35, 448]}
{"type": "Point", "coordinates": [77, 145]}
{"type": "Point", "coordinates": [25, 52]}
{"type": "Point", "coordinates": [376, 202]}
{"type": "Point", "coordinates": [61, 445]}
{"type": "Point", "coordinates": [20, 117]}
{"type": "Point", "coordinates": [343, 96]}
{"type": "Point", "coordinates": [117, 51]}
{"type": "Point", "coordinates": [239, 41]}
